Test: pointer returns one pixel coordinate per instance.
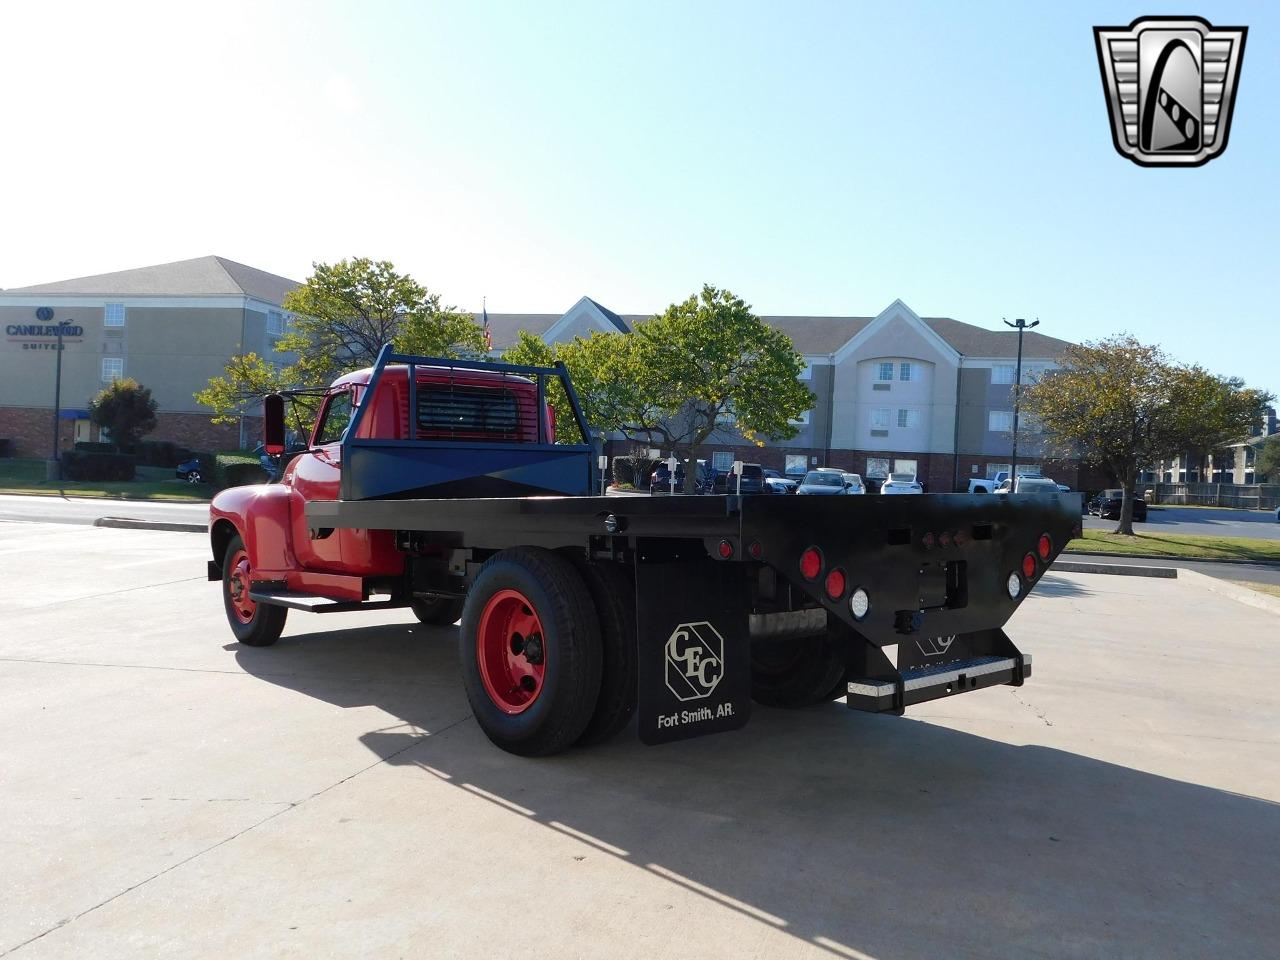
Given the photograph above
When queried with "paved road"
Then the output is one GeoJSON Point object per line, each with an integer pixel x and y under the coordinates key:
{"type": "Point", "coordinates": [1210, 523]}
{"type": "Point", "coordinates": [87, 509]}
{"type": "Point", "coordinates": [168, 792]}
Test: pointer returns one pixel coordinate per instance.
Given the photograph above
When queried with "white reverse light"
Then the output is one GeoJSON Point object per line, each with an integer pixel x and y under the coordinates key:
{"type": "Point", "coordinates": [1014, 585]}
{"type": "Point", "coordinates": [859, 604]}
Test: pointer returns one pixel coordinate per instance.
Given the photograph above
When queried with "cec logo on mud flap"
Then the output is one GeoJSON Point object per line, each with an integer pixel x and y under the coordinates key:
{"type": "Point", "coordinates": [694, 660]}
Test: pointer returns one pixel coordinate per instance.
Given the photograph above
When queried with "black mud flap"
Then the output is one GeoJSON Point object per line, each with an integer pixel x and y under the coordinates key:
{"type": "Point", "coordinates": [694, 649]}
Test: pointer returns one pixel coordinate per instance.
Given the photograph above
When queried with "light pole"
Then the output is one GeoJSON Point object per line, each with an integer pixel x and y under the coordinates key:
{"type": "Point", "coordinates": [1020, 325]}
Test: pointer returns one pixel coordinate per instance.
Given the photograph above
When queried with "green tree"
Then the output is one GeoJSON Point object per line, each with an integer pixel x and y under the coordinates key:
{"type": "Point", "coordinates": [1125, 405]}
{"type": "Point", "coordinates": [126, 410]}
{"type": "Point", "coordinates": [343, 315]}
{"type": "Point", "coordinates": [531, 351]}
{"type": "Point", "coordinates": [1266, 462]}
{"type": "Point", "coordinates": [1212, 411]}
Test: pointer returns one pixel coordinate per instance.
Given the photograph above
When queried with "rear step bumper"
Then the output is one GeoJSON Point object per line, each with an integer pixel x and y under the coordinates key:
{"type": "Point", "coordinates": [933, 683]}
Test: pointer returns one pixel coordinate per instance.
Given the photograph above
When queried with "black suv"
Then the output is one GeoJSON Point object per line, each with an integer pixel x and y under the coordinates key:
{"type": "Point", "coordinates": [752, 480]}
{"type": "Point", "coordinates": [1107, 505]}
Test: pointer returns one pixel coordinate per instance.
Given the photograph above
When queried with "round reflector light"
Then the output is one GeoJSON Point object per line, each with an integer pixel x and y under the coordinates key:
{"type": "Point", "coordinates": [927, 541]}
{"type": "Point", "coordinates": [811, 563]}
{"type": "Point", "coordinates": [835, 584]}
{"type": "Point", "coordinates": [1014, 586]}
{"type": "Point", "coordinates": [945, 539]}
{"type": "Point", "coordinates": [725, 549]}
{"type": "Point", "coordinates": [1029, 566]}
{"type": "Point", "coordinates": [755, 550]}
{"type": "Point", "coordinates": [859, 604]}
{"type": "Point", "coordinates": [1044, 547]}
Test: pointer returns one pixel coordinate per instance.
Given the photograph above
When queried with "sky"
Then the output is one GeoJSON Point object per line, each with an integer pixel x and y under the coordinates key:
{"type": "Point", "coordinates": [815, 158]}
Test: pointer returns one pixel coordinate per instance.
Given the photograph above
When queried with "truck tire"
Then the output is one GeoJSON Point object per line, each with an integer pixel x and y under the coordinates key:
{"type": "Point", "coordinates": [530, 651]}
{"type": "Point", "coordinates": [614, 595]}
{"type": "Point", "coordinates": [254, 624]}
{"type": "Point", "coordinates": [441, 611]}
{"type": "Point", "coordinates": [796, 673]}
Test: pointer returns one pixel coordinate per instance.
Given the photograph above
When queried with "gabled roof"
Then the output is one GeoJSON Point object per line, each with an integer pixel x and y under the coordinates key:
{"type": "Point", "coordinates": [817, 336]}
{"type": "Point", "coordinates": [201, 277]}
{"type": "Point", "coordinates": [974, 341]}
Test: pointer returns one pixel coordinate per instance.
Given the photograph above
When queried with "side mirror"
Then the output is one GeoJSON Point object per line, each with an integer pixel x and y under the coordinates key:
{"type": "Point", "coordinates": [273, 424]}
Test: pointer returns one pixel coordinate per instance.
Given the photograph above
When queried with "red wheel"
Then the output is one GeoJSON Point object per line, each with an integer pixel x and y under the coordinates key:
{"type": "Point", "coordinates": [238, 600]}
{"type": "Point", "coordinates": [254, 624]}
{"type": "Point", "coordinates": [529, 648]}
{"type": "Point", "coordinates": [511, 651]}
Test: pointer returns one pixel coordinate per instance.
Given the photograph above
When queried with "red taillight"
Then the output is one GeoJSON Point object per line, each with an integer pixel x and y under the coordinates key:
{"type": "Point", "coordinates": [1029, 566]}
{"type": "Point", "coordinates": [927, 541]}
{"type": "Point", "coordinates": [755, 550]}
{"type": "Point", "coordinates": [944, 539]}
{"type": "Point", "coordinates": [811, 563]}
{"type": "Point", "coordinates": [1044, 547]}
{"type": "Point", "coordinates": [725, 549]}
{"type": "Point", "coordinates": [835, 584]}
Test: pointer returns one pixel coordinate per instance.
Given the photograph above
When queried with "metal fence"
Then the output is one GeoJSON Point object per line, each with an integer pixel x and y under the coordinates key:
{"type": "Point", "coordinates": [1245, 496]}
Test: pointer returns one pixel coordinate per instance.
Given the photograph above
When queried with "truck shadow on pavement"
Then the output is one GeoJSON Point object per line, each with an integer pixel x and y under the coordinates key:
{"type": "Point", "coordinates": [865, 836]}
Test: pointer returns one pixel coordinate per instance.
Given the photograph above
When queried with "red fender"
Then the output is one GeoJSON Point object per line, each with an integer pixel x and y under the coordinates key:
{"type": "Point", "coordinates": [260, 514]}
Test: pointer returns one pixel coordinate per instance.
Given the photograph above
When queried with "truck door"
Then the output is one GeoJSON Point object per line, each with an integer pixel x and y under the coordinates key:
{"type": "Point", "coordinates": [317, 475]}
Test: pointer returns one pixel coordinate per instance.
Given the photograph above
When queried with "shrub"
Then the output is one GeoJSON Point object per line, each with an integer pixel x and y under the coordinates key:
{"type": "Point", "coordinates": [241, 473]}
{"type": "Point", "coordinates": [79, 465]}
{"type": "Point", "coordinates": [86, 446]}
{"type": "Point", "coordinates": [160, 453]}
{"type": "Point", "coordinates": [126, 408]}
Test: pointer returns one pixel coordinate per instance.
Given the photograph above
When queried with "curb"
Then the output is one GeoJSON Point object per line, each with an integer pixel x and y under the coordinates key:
{"type": "Point", "coordinates": [1227, 589]}
{"type": "Point", "coordinates": [1116, 569]}
{"type": "Point", "coordinates": [1147, 556]}
{"type": "Point", "coordinates": [126, 523]}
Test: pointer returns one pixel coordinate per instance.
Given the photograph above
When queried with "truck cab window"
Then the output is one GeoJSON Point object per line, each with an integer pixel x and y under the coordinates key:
{"type": "Point", "coordinates": [337, 415]}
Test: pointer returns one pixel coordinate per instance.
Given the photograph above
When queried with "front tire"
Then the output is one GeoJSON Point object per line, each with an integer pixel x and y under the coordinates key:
{"type": "Point", "coordinates": [796, 673]}
{"type": "Point", "coordinates": [254, 624]}
{"type": "Point", "coordinates": [530, 651]}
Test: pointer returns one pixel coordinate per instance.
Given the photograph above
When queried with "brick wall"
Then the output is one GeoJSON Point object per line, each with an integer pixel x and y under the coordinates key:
{"type": "Point", "coordinates": [30, 431]}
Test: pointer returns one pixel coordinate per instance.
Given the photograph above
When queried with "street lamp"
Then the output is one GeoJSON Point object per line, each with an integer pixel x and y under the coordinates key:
{"type": "Point", "coordinates": [55, 466]}
{"type": "Point", "coordinates": [1020, 325]}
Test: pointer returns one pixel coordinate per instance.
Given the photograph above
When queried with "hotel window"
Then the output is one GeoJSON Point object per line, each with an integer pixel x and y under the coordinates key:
{"type": "Point", "coordinates": [112, 369]}
{"type": "Point", "coordinates": [722, 461]}
{"type": "Point", "coordinates": [275, 322]}
{"type": "Point", "coordinates": [802, 419]}
{"type": "Point", "coordinates": [880, 419]}
{"type": "Point", "coordinates": [885, 372]}
{"type": "Point", "coordinates": [113, 315]}
{"type": "Point", "coordinates": [908, 419]}
{"type": "Point", "coordinates": [904, 372]}
{"type": "Point", "coordinates": [1000, 421]}
{"type": "Point", "coordinates": [1003, 373]}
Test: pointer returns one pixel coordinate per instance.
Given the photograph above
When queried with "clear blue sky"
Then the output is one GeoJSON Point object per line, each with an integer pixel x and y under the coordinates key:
{"type": "Point", "coordinates": [816, 158]}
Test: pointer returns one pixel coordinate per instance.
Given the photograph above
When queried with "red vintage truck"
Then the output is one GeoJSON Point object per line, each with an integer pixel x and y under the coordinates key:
{"type": "Point", "coordinates": [442, 486]}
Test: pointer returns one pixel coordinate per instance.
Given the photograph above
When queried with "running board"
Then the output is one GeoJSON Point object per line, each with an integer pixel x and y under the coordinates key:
{"type": "Point", "coordinates": [314, 603]}
{"type": "Point", "coordinates": [933, 683]}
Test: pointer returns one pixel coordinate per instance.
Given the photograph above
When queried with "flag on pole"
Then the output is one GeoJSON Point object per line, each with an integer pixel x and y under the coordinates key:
{"type": "Point", "coordinates": [488, 334]}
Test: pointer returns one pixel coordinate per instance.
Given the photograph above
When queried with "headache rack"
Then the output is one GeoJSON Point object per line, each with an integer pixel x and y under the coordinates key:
{"type": "Point", "coordinates": [480, 429]}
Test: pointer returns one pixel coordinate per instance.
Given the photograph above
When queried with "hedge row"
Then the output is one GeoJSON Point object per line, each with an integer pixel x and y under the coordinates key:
{"type": "Point", "coordinates": [82, 465]}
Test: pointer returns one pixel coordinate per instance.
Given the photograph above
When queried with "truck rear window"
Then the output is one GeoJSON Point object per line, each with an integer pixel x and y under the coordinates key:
{"type": "Point", "coordinates": [471, 413]}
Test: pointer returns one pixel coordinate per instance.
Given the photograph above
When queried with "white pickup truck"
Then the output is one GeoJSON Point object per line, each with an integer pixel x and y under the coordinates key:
{"type": "Point", "coordinates": [988, 484]}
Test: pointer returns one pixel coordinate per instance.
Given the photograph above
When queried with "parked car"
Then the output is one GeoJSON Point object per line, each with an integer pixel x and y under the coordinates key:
{"type": "Point", "coordinates": [660, 480]}
{"type": "Point", "coordinates": [856, 486]}
{"type": "Point", "coordinates": [752, 480]}
{"type": "Point", "coordinates": [776, 482]}
{"type": "Point", "coordinates": [824, 483]}
{"type": "Point", "coordinates": [1041, 485]}
{"type": "Point", "coordinates": [189, 470]}
{"type": "Point", "coordinates": [899, 483]}
{"type": "Point", "coordinates": [1108, 504]}
{"type": "Point", "coordinates": [991, 484]}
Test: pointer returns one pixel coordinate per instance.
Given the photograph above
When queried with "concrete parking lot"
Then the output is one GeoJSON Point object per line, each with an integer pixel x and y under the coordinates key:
{"type": "Point", "coordinates": [165, 792]}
